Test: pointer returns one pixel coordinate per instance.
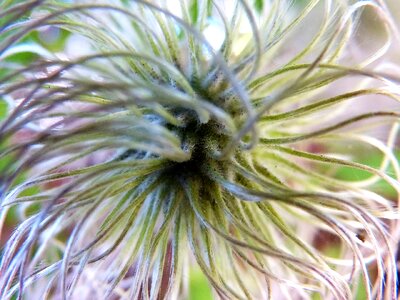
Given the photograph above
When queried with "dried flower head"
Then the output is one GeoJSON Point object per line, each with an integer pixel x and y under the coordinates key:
{"type": "Point", "coordinates": [167, 134]}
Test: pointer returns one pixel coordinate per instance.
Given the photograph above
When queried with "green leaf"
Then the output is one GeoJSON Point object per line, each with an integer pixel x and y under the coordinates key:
{"type": "Point", "coordinates": [259, 5]}
{"type": "Point", "coordinates": [57, 43]}
{"type": "Point", "coordinates": [194, 11]}
{"type": "Point", "coordinates": [199, 288]}
{"type": "Point", "coordinates": [373, 160]}
{"type": "Point", "coordinates": [3, 109]}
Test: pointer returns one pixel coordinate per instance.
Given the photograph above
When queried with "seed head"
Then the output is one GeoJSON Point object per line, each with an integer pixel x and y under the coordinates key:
{"type": "Point", "coordinates": [161, 135]}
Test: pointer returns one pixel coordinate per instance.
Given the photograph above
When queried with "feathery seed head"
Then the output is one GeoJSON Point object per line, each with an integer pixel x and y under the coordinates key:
{"type": "Point", "coordinates": [168, 134]}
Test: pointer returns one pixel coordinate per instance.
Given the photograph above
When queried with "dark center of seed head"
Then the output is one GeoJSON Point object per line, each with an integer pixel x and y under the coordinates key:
{"type": "Point", "coordinates": [200, 139]}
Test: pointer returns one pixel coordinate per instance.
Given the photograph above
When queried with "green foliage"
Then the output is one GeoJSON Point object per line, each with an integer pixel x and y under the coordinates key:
{"type": "Point", "coordinates": [199, 288]}
{"type": "Point", "coordinates": [259, 5]}
{"type": "Point", "coordinates": [3, 108]}
{"type": "Point", "coordinates": [194, 11]}
{"type": "Point", "coordinates": [374, 161]}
